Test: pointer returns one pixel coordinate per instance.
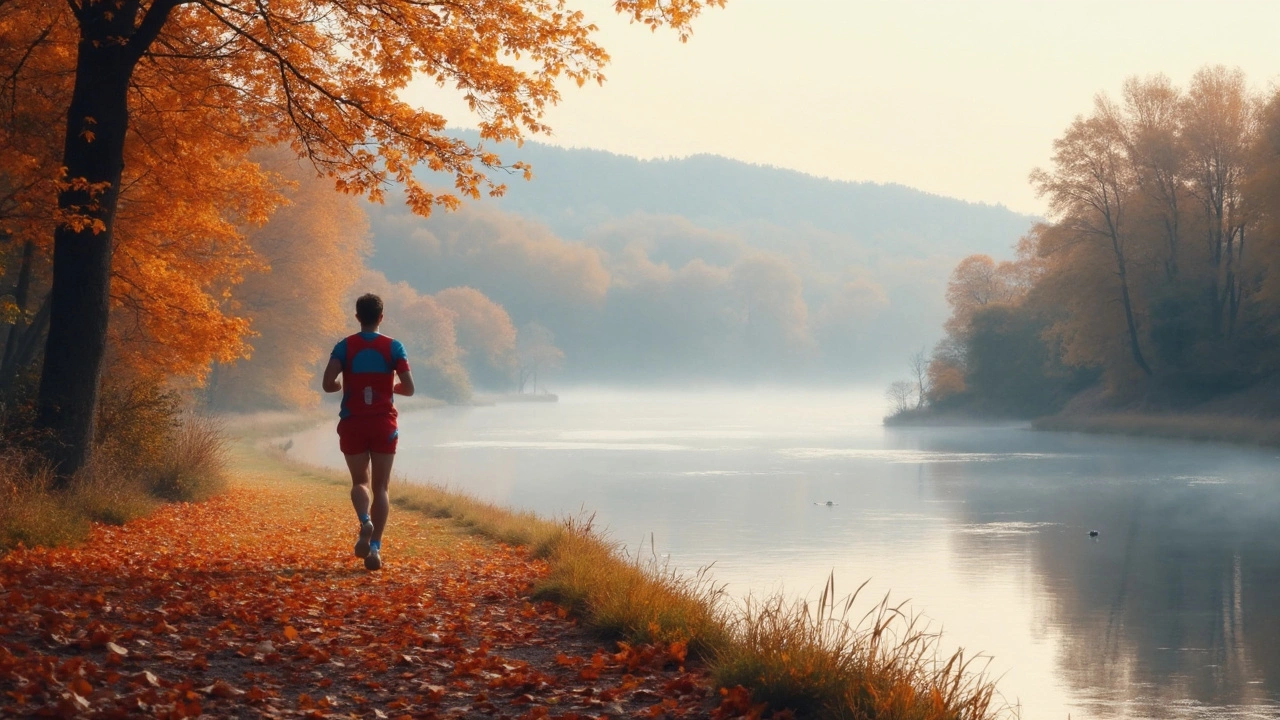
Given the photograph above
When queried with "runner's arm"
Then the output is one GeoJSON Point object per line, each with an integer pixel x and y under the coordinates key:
{"type": "Point", "coordinates": [405, 386]}
{"type": "Point", "coordinates": [331, 383]}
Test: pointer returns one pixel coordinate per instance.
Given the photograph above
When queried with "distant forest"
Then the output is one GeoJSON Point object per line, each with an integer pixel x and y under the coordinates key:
{"type": "Point", "coordinates": [602, 268]}
{"type": "Point", "coordinates": [1156, 280]}
{"type": "Point", "coordinates": [700, 269]}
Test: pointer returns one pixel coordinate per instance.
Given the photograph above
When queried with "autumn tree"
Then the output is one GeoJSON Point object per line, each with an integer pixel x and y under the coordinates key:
{"type": "Point", "coordinates": [976, 282]}
{"type": "Point", "coordinates": [1090, 190]}
{"type": "Point", "coordinates": [321, 76]}
{"type": "Point", "coordinates": [176, 242]}
{"type": "Point", "coordinates": [1159, 268]}
{"type": "Point", "coordinates": [297, 300]}
{"type": "Point", "coordinates": [1218, 132]}
{"type": "Point", "coordinates": [486, 336]}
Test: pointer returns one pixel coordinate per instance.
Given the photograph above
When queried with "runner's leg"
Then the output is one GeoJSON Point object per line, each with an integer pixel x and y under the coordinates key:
{"type": "Point", "coordinates": [381, 502]}
{"type": "Point", "coordinates": [359, 467]}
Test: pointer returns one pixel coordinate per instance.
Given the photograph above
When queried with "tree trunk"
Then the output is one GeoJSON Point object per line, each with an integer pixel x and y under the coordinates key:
{"type": "Point", "coordinates": [1134, 347]}
{"type": "Point", "coordinates": [94, 159]}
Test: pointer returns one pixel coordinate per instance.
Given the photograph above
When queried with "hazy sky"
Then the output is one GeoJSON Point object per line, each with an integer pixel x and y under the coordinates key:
{"type": "Point", "coordinates": [956, 98]}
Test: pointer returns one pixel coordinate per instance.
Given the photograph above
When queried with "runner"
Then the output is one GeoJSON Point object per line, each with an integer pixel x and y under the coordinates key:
{"type": "Point", "coordinates": [369, 363]}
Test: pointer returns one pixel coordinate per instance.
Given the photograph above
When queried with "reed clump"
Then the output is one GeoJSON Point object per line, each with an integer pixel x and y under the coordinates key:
{"type": "Point", "coordinates": [821, 660]}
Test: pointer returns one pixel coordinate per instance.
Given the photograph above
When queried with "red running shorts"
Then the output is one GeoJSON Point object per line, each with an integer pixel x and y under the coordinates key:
{"type": "Point", "coordinates": [371, 433]}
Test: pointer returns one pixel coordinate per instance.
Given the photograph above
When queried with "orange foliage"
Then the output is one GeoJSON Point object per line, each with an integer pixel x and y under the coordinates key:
{"type": "Point", "coordinates": [486, 336]}
{"type": "Point", "coordinates": [945, 379]}
{"type": "Point", "coordinates": [177, 240]}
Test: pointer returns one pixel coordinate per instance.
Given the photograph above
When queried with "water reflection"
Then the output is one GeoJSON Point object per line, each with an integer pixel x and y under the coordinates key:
{"type": "Point", "coordinates": [1169, 612]}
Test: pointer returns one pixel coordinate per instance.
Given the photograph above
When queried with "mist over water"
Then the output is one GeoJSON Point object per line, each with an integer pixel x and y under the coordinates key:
{"type": "Point", "coordinates": [1169, 612]}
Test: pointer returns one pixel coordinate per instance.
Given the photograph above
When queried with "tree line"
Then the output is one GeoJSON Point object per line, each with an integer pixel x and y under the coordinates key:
{"type": "Point", "coordinates": [1157, 274]}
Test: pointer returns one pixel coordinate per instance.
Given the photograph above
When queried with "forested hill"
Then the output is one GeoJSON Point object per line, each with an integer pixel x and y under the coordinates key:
{"type": "Point", "coordinates": [574, 189]}
{"type": "Point", "coordinates": [700, 268]}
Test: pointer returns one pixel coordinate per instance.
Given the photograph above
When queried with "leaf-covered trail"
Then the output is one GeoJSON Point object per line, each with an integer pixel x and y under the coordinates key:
{"type": "Point", "coordinates": [252, 605]}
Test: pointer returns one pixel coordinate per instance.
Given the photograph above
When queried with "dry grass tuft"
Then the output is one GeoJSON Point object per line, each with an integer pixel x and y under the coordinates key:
{"type": "Point", "coordinates": [33, 513]}
{"type": "Point", "coordinates": [814, 660]}
{"type": "Point", "coordinates": [29, 514]}
{"type": "Point", "coordinates": [640, 599]}
{"type": "Point", "coordinates": [193, 464]}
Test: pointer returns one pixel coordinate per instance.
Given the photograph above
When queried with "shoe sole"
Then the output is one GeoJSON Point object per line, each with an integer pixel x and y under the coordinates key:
{"type": "Point", "coordinates": [373, 561]}
{"type": "Point", "coordinates": [362, 545]}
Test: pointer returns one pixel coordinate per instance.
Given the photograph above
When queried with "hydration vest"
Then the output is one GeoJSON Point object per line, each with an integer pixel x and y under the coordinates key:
{"type": "Point", "coordinates": [368, 374]}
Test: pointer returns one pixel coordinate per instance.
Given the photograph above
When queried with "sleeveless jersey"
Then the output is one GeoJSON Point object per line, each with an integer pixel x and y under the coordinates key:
{"type": "Point", "coordinates": [368, 374]}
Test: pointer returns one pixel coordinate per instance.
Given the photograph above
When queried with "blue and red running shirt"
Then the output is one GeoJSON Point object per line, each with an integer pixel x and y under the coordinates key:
{"type": "Point", "coordinates": [369, 364]}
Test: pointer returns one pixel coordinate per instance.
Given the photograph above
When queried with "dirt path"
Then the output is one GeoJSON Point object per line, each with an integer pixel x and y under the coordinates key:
{"type": "Point", "coordinates": [253, 605]}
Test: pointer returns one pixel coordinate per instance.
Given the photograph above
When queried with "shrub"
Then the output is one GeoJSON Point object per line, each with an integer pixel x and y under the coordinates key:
{"type": "Point", "coordinates": [193, 465]}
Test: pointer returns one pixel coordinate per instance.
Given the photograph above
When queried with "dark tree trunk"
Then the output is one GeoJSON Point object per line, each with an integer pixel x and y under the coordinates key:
{"type": "Point", "coordinates": [1134, 347]}
{"type": "Point", "coordinates": [94, 159]}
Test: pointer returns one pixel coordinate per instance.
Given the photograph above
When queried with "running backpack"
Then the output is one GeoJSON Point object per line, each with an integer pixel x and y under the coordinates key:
{"type": "Point", "coordinates": [368, 375]}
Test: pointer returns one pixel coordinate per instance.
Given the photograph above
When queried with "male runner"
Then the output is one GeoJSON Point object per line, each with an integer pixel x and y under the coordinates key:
{"type": "Point", "coordinates": [369, 363]}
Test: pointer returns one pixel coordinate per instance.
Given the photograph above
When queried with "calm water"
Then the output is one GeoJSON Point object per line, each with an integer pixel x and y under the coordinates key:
{"type": "Point", "coordinates": [1172, 612]}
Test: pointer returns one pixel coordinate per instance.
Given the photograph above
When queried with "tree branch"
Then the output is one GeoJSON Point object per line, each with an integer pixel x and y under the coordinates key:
{"type": "Point", "coordinates": [150, 27]}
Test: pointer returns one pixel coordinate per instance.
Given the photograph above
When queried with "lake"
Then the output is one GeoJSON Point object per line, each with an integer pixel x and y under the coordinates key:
{"type": "Point", "coordinates": [1172, 611]}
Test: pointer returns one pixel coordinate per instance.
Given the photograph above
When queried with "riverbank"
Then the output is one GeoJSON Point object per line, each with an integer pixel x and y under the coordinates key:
{"type": "Point", "coordinates": [252, 601]}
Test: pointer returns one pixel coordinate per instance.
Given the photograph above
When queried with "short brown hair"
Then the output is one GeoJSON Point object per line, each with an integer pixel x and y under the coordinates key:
{"type": "Point", "coordinates": [368, 309]}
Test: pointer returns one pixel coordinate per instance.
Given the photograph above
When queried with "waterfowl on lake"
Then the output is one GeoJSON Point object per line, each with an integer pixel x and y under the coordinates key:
{"type": "Point", "coordinates": [828, 503]}
{"type": "Point", "coordinates": [1093, 533]}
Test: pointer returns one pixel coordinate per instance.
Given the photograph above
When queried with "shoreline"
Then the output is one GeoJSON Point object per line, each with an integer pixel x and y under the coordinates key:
{"type": "Point", "coordinates": [1220, 428]}
{"type": "Point", "coordinates": [1226, 428]}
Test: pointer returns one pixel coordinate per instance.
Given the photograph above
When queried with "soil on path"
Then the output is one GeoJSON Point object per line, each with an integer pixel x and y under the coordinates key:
{"type": "Point", "coordinates": [252, 604]}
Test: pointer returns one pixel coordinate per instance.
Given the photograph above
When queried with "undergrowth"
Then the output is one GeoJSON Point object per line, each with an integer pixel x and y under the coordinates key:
{"type": "Point", "coordinates": [150, 451]}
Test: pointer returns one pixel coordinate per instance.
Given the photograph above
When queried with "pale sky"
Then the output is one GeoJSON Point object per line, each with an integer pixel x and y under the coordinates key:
{"type": "Point", "coordinates": [958, 98]}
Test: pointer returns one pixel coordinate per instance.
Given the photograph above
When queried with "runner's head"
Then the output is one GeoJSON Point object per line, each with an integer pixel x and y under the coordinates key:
{"type": "Point", "coordinates": [369, 310]}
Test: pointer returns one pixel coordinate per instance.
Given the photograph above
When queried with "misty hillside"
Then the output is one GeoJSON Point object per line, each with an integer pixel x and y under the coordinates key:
{"type": "Point", "coordinates": [701, 268]}
{"type": "Point", "coordinates": [574, 189]}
